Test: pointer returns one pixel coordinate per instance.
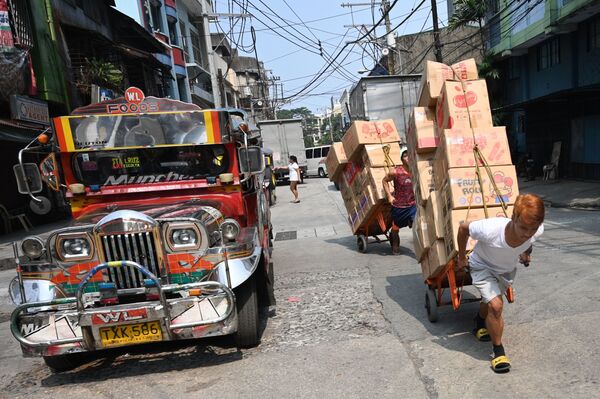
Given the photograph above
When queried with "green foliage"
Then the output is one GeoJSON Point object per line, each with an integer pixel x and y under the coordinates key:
{"type": "Point", "coordinates": [336, 121]}
{"type": "Point", "coordinates": [99, 72]}
{"type": "Point", "coordinates": [301, 112]}
{"type": "Point", "coordinates": [488, 69]}
{"type": "Point", "coordinates": [467, 11]}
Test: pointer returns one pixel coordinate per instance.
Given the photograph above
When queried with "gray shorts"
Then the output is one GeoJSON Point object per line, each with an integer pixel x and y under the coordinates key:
{"type": "Point", "coordinates": [491, 284]}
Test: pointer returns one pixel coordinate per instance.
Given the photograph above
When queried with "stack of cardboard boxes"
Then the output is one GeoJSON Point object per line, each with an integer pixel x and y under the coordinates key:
{"type": "Point", "coordinates": [453, 116]}
{"type": "Point", "coordinates": [358, 165]}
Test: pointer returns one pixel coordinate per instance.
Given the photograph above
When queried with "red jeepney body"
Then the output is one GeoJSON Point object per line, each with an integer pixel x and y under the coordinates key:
{"type": "Point", "coordinates": [169, 225]}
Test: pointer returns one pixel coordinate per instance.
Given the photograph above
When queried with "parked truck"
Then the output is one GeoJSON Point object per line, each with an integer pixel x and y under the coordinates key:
{"type": "Point", "coordinates": [171, 232]}
{"type": "Point", "coordinates": [284, 137]}
{"type": "Point", "coordinates": [385, 97]}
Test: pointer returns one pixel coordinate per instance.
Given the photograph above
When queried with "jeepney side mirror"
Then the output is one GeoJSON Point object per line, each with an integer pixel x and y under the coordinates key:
{"type": "Point", "coordinates": [49, 170]}
{"type": "Point", "coordinates": [251, 159]}
{"type": "Point", "coordinates": [29, 180]}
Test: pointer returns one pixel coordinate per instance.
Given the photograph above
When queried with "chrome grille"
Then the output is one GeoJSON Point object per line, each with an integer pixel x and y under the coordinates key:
{"type": "Point", "coordinates": [137, 247]}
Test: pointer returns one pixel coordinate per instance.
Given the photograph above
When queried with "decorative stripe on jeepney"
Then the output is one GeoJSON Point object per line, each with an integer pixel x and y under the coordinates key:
{"type": "Point", "coordinates": [210, 135]}
{"type": "Point", "coordinates": [64, 134]}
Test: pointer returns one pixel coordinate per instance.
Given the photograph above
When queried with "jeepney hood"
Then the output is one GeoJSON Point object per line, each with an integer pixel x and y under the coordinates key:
{"type": "Point", "coordinates": [163, 208]}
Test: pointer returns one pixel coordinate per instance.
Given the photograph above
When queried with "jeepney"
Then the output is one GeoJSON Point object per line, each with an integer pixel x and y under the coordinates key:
{"type": "Point", "coordinates": [171, 232]}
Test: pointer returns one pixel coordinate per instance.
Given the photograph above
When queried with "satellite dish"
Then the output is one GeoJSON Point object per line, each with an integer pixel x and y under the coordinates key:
{"type": "Point", "coordinates": [41, 208]}
{"type": "Point", "coordinates": [385, 51]}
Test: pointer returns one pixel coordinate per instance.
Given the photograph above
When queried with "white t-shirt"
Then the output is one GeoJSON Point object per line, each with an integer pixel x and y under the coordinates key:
{"type": "Point", "coordinates": [491, 250]}
{"type": "Point", "coordinates": [293, 167]}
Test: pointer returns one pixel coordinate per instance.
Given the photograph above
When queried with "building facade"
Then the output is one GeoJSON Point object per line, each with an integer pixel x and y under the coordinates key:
{"type": "Point", "coordinates": [549, 88]}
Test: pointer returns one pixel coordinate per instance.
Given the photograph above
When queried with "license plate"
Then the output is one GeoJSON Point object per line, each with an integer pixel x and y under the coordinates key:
{"type": "Point", "coordinates": [130, 334]}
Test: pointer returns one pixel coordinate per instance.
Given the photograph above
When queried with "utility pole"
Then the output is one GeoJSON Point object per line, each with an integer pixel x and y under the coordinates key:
{"type": "Point", "coordinates": [207, 17]}
{"type": "Point", "coordinates": [388, 29]}
{"type": "Point", "coordinates": [211, 59]}
{"type": "Point", "coordinates": [436, 33]}
{"type": "Point", "coordinates": [331, 124]}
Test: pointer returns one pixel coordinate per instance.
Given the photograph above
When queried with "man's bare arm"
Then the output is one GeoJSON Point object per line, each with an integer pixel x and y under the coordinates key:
{"type": "Point", "coordinates": [386, 186]}
{"type": "Point", "coordinates": [525, 257]}
{"type": "Point", "coordinates": [462, 238]}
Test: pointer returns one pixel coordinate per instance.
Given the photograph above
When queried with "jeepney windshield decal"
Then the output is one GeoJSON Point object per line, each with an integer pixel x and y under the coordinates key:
{"type": "Point", "coordinates": [149, 165]}
{"type": "Point", "coordinates": [139, 130]}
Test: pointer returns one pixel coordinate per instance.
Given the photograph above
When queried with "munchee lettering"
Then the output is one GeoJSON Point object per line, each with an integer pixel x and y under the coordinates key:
{"type": "Point", "coordinates": [145, 179]}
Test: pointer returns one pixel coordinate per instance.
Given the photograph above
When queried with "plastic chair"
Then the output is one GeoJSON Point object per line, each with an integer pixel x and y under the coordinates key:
{"type": "Point", "coordinates": [8, 219]}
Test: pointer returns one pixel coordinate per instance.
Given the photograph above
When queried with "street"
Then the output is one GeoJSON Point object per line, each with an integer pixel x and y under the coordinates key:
{"type": "Point", "coordinates": [354, 325]}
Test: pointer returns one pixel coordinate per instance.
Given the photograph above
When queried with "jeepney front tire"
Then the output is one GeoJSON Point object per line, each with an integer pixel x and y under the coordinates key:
{"type": "Point", "coordinates": [247, 308]}
{"type": "Point", "coordinates": [66, 362]}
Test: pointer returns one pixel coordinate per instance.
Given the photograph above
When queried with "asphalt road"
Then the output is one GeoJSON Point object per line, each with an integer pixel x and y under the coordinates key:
{"type": "Point", "coordinates": [354, 325]}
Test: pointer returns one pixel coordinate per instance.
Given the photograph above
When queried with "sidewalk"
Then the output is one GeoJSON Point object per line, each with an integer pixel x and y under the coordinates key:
{"type": "Point", "coordinates": [565, 193]}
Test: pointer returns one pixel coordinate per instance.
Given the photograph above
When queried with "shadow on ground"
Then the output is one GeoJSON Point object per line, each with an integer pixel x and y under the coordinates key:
{"type": "Point", "coordinates": [155, 358]}
{"type": "Point", "coordinates": [453, 330]}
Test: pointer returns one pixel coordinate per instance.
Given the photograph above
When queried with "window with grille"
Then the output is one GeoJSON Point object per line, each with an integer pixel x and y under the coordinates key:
{"type": "Point", "coordinates": [20, 23]}
{"type": "Point", "coordinates": [593, 34]}
{"type": "Point", "coordinates": [195, 39]}
{"type": "Point", "coordinates": [184, 41]}
{"type": "Point", "coordinates": [548, 54]}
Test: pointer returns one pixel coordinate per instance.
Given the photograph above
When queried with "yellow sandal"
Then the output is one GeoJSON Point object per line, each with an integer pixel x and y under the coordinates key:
{"type": "Point", "coordinates": [482, 334]}
{"type": "Point", "coordinates": [501, 364]}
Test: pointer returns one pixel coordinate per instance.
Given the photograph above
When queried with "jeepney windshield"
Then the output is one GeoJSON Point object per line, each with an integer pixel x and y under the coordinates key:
{"type": "Point", "coordinates": [138, 130]}
{"type": "Point", "coordinates": [150, 165]}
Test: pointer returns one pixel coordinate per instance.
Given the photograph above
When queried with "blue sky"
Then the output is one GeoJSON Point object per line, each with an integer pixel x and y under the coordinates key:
{"type": "Point", "coordinates": [295, 58]}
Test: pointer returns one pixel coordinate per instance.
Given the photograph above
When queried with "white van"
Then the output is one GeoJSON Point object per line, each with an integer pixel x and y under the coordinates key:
{"type": "Point", "coordinates": [315, 161]}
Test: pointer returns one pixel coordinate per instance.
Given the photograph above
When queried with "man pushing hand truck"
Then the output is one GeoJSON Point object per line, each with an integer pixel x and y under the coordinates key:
{"type": "Point", "coordinates": [502, 243]}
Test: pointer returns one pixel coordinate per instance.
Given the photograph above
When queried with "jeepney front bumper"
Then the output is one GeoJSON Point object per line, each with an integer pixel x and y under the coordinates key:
{"type": "Point", "coordinates": [69, 325]}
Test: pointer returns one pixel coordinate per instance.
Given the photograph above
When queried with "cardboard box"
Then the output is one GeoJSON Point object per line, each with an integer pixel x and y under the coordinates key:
{"type": "Point", "coordinates": [421, 240]}
{"type": "Point", "coordinates": [423, 181]}
{"type": "Point", "coordinates": [336, 158]}
{"type": "Point", "coordinates": [436, 256]}
{"type": "Point", "coordinates": [464, 105]}
{"type": "Point", "coordinates": [371, 132]}
{"type": "Point", "coordinates": [435, 74]}
{"type": "Point", "coordinates": [350, 171]}
{"type": "Point", "coordinates": [425, 266]}
{"type": "Point", "coordinates": [373, 155]}
{"type": "Point", "coordinates": [434, 216]}
{"type": "Point", "coordinates": [456, 146]}
{"type": "Point", "coordinates": [421, 130]}
{"type": "Point", "coordinates": [375, 176]}
{"type": "Point", "coordinates": [461, 187]}
{"type": "Point", "coordinates": [355, 218]}
{"type": "Point", "coordinates": [359, 182]}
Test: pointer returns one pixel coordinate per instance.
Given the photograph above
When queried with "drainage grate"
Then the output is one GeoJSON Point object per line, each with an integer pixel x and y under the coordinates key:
{"type": "Point", "coordinates": [286, 235]}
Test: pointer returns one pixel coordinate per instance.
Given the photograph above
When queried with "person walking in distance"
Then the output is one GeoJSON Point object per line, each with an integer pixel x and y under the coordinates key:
{"type": "Point", "coordinates": [502, 244]}
{"type": "Point", "coordinates": [404, 207]}
{"type": "Point", "coordinates": [294, 174]}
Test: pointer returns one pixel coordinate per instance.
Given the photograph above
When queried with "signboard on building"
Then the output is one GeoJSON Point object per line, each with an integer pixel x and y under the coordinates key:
{"type": "Point", "coordinates": [29, 110]}
{"type": "Point", "coordinates": [100, 94]}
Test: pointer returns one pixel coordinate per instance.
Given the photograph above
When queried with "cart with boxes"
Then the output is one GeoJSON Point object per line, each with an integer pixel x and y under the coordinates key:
{"type": "Point", "coordinates": [462, 171]}
{"type": "Point", "coordinates": [358, 165]}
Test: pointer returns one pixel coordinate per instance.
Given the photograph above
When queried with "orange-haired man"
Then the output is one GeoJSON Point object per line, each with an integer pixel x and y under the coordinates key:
{"type": "Point", "coordinates": [501, 244]}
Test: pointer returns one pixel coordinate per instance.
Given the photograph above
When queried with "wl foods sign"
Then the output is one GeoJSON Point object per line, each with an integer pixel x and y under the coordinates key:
{"type": "Point", "coordinates": [29, 110]}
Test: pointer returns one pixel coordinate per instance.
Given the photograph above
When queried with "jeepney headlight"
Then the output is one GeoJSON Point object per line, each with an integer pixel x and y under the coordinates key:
{"type": "Point", "coordinates": [74, 247]}
{"type": "Point", "coordinates": [183, 236]}
{"type": "Point", "coordinates": [33, 247]}
{"type": "Point", "coordinates": [231, 229]}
